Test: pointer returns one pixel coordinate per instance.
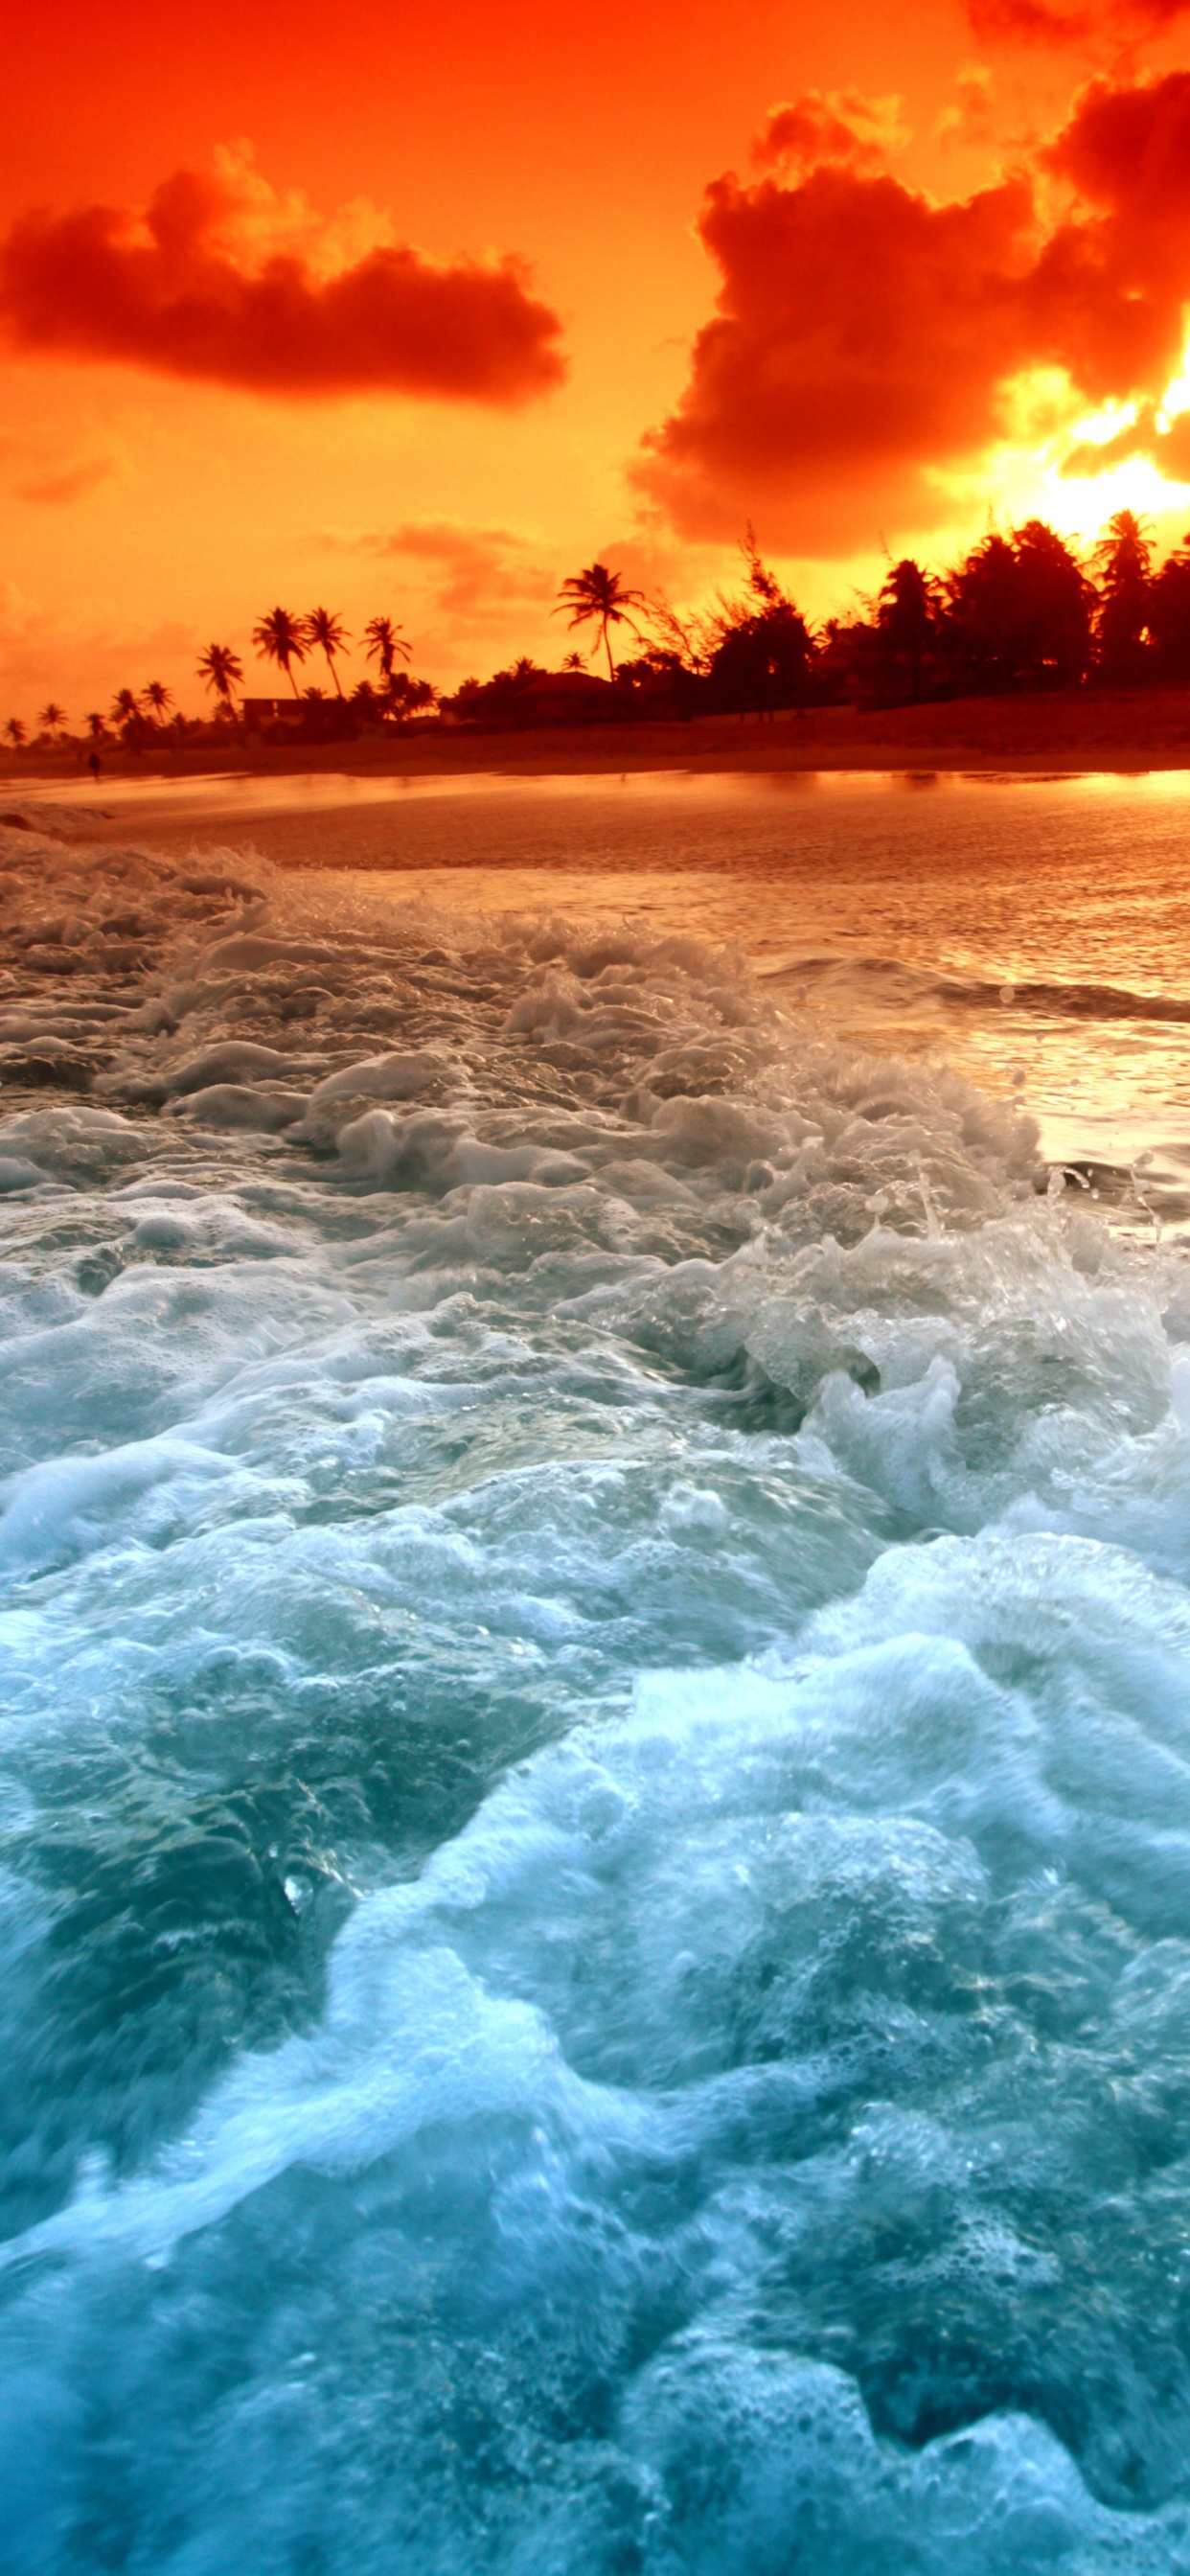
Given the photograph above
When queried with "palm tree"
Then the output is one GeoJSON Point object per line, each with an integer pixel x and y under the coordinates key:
{"type": "Point", "coordinates": [222, 671]}
{"type": "Point", "coordinates": [159, 698]}
{"type": "Point", "coordinates": [330, 635]}
{"type": "Point", "coordinates": [1123, 561]}
{"type": "Point", "coordinates": [282, 639]}
{"type": "Point", "coordinates": [15, 732]}
{"type": "Point", "coordinates": [96, 726]}
{"type": "Point", "coordinates": [908, 614]}
{"type": "Point", "coordinates": [384, 642]}
{"type": "Point", "coordinates": [52, 718]}
{"type": "Point", "coordinates": [125, 707]}
{"type": "Point", "coordinates": [600, 594]}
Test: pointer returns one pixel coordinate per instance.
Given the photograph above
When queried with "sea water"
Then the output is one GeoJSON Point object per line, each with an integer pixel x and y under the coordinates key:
{"type": "Point", "coordinates": [595, 1904]}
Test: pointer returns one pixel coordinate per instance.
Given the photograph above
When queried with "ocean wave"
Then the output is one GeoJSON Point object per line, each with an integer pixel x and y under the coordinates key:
{"type": "Point", "coordinates": [596, 1782]}
{"type": "Point", "coordinates": [892, 982]}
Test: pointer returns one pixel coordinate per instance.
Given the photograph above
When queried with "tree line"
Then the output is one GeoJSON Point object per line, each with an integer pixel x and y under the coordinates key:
{"type": "Point", "coordinates": [1019, 612]}
{"type": "Point", "coordinates": [138, 718]}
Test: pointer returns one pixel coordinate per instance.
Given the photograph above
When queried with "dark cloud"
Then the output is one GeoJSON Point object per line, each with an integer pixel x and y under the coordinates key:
{"type": "Point", "coordinates": [866, 337]}
{"type": "Point", "coordinates": [178, 293]}
{"type": "Point", "coordinates": [1126, 150]}
{"type": "Point", "coordinates": [1028, 22]}
{"type": "Point", "coordinates": [861, 337]}
{"type": "Point", "coordinates": [1035, 22]}
{"type": "Point", "coordinates": [840, 126]}
{"type": "Point", "coordinates": [1112, 280]}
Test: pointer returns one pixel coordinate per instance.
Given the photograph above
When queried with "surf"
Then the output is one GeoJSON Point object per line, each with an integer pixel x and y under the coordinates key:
{"type": "Point", "coordinates": [596, 1763]}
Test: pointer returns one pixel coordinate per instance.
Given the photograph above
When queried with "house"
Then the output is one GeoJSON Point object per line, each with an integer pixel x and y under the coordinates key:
{"type": "Point", "coordinates": [259, 712]}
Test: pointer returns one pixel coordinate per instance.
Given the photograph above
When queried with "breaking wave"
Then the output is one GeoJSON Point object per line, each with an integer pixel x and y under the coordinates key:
{"type": "Point", "coordinates": [595, 1905]}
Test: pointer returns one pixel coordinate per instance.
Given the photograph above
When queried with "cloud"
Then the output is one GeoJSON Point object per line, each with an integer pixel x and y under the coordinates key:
{"type": "Point", "coordinates": [475, 569]}
{"type": "Point", "coordinates": [1125, 150]}
{"type": "Point", "coordinates": [464, 579]}
{"type": "Point", "coordinates": [969, 120]}
{"type": "Point", "coordinates": [860, 339]}
{"type": "Point", "coordinates": [1152, 434]}
{"type": "Point", "coordinates": [1029, 22]}
{"type": "Point", "coordinates": [1036, 22]}
{"type": "Point", "coordinates": [222, 282]}
{"type": "Point", "coordinates": [61, 484]}
{"type": "Point", "coordinates": [867, 340]}
{"type": "Point", "coordinates": [839, 126]}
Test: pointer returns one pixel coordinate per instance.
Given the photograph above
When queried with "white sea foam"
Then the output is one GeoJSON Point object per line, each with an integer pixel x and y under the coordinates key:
{"type": "Point", "coordinates": [597, 1805]}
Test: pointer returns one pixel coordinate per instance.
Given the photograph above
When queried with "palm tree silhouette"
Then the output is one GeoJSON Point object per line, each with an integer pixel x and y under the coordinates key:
{"type": "Point", "coordinates": [600, 594]}
{"type": "Point", "coordinates": [282, 639]}
{"type": "Point", "coordinates": [328, 632]}
{"type": "Point", "coordinates": [1123, 560]}
{"type": "Point", "coordinates": [52, 718]}
{"type": "Point", "coordinates": [222, 671]}
{"type": "Point", "coordinates": [384, 642]}
{"type": "Point", "coordinates": [15, 732]}
{"type": "Point", "coordinates": [96, 726]}
{"type": "Point", "coordinates": [908, 614]}
{"type": "Point", "coordinates": [125, 707]}
{"type": "Point", "coordinates": [159, 698]}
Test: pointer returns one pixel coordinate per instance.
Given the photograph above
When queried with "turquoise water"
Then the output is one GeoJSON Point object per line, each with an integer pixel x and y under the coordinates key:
{"type": "Point", "coordinates": [596, 1729]}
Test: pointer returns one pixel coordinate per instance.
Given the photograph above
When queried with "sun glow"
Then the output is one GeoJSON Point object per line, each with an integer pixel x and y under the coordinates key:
{"type": "Point", "coordinates": [1029, 475]}
{"type": "Point", "coordinates": [1176, 398]}
{"type": "Point", "coordinates": [1080, 505]}
{"type": "Point", "coordinates": [1110, 421]}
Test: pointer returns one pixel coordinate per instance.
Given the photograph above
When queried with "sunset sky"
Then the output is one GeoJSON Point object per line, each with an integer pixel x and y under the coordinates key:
{"type": "Point", "coordinates": [419, 310]}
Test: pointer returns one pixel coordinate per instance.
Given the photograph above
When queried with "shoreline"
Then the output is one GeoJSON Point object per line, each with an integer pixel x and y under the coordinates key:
{"type": "Point", "coordinates": [1122, 732]}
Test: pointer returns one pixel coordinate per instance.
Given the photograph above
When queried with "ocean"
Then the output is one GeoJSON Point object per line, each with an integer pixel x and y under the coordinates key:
{"type": "Point", "coordinates": [595, 1785]}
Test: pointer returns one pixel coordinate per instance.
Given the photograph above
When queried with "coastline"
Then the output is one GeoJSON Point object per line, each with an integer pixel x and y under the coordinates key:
{"type": "Point", "coordinates": [1120, 731]}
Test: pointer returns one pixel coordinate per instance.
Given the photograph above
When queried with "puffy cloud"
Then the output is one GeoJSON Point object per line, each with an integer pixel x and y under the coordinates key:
{"type": "Point", "coordinates": [1126, 150]}
{"type": "Point", "coordinates": [834, 125]}
{"type": "Point", "coordinates": [222, 282]}
{"type": "Point", "coordinates": [867, 339]}
{"type": "Point", "coordinates": [1112, 280]}
{"type": "Point", "coordinates": [861, 337]}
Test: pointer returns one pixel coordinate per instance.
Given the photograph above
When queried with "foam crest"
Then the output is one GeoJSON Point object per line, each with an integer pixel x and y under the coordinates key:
{"type": "Point", "coordinates": [596, 1769]}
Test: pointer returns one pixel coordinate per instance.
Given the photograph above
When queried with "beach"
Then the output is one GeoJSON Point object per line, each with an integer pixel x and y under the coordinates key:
{"type": "Point", "coordinates": [1103, 729]}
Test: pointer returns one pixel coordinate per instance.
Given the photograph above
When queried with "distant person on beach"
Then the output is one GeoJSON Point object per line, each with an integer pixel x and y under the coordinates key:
{"type": "Point", "coordinates": [93, 765]}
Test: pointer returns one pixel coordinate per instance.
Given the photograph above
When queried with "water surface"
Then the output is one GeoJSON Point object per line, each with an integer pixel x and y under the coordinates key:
{"type": "Point", "coordinates": [596, 1731]}
{"type": "Point", "coordinates": [1036, 932]}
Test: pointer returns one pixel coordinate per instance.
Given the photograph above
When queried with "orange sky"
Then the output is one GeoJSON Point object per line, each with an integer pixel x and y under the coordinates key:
{"type": "Point", "coordinates": [922, 301]}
